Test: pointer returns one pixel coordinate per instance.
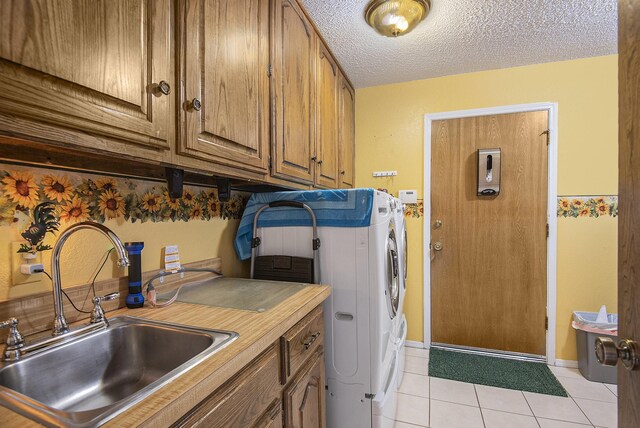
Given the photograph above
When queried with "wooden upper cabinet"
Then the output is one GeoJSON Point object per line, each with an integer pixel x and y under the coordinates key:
{"type": "Point", "coordinates": [224, 106]}
{"type": "Point", "coordinates": [327, 119]}
{"type": "Point", "coordinates": [293, 56]}
{"type": "Point", "coordinates": [347, 142]}
{"type": "Point", "coordinates": [87, 73]}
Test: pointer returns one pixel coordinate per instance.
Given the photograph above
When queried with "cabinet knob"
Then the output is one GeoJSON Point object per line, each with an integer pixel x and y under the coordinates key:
{"type": "Point", "coordinates": [343, 172]}
{"type": "Point", "coordinates": [163, 88]}
{"type": "Point", "coordinates": [195, 104]}
{"type": "Point", "coordinates": [313, 159]}
{"type": "Point", "coordinates": [319, 162]}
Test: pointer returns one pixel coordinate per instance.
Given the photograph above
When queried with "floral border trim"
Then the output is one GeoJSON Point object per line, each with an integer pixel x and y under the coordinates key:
{"type": "Point", "coordinates": [568, 206]}
{"type": "Point", "coordinates": [79, 197]}
{"type": "Point", "coordinates": [587, 206]}
{"type": "Point", "coordinates": [414, 210]}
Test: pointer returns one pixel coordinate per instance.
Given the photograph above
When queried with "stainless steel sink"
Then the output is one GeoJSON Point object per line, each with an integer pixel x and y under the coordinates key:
{"type": "Point", "coordinates": [90, 380]}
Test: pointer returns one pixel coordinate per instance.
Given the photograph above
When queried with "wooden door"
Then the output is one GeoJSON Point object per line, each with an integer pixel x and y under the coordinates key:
{"type": "Point", "coordinates": [629, 209]}
{"type": "Point", "coordinates": [225, 60]}
{"type": "Point", "coordinates": [304, 401]}
{"type": "Point", "coordinates": [93, 68]}
{"type": "Point", "coordinates": [293, 92]}
{"type": "Point", "coordinates": [326, 119]}
{"type": "Point", "coordinates": [488, 281]}
{"type": "Point", "coordinates": [347, 141]}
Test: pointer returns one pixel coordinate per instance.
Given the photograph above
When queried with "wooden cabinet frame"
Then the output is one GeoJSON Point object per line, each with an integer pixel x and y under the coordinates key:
{"type": "Point", "coordinates": [105, 101]}
{"type": "Point", "coordinates": [231, 126]}
{"type": "Point", "coordinates": [293, 115]}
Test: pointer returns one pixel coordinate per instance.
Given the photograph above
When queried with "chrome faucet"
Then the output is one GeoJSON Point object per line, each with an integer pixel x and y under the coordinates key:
{"type": "Point", "coordinates": [60, 325]}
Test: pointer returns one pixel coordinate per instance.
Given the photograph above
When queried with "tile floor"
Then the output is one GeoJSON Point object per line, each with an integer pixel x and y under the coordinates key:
{"type": "Point", "coordinates": [424, 401]}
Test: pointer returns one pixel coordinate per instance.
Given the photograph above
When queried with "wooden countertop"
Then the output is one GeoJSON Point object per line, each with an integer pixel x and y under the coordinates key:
{"type": "Point", "coordinates": [257, 331]}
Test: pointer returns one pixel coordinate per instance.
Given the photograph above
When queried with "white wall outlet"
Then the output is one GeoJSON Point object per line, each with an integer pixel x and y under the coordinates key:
{"type": "Point", "coordinates": [385, 173]}
{"type": "Point", "coordinates": [409, 196]}
{"type": "Point", "coordinates": [17, 260]}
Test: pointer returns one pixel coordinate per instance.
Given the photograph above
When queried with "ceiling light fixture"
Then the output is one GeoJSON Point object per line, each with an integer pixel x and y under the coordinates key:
{"type": "Point", "coordinates": [393, 18]}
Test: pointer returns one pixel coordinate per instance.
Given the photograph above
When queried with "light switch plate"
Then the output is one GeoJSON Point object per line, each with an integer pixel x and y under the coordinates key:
{"type": "Point", "coordinates": [17, 259]}
{"type": "Point", "coordinates": [409, 196]}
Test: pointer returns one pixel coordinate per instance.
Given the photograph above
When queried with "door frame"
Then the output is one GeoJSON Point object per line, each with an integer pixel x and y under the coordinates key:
{"type": "Point", "coordinates": [552, 219]}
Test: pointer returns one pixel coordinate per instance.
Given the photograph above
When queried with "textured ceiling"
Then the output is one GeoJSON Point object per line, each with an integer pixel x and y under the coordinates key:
{"type": "Point", "coordinates": [461, 36]}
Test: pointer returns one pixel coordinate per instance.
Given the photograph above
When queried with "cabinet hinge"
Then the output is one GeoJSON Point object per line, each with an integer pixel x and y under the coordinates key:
{"type": "Point", "coordinates": [270, 164]}
{"type": "Point", "coordinates": [547, 230]}
{"type": "Point", "coordinates": [546, 323]}
{"type": "Point", "coordinates": [269, 70]}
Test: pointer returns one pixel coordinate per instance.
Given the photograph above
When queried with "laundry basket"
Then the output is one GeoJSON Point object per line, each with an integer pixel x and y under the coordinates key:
{"type": "Point", "coordinates": [587, 331]}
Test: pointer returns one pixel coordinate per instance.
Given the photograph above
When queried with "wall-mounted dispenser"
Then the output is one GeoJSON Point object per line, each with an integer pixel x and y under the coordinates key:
{"type": "Point", "coordinates": [488, 172]}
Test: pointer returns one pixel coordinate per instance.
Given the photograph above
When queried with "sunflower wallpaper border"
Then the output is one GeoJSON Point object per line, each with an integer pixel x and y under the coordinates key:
{"type": "Point", "coordinates": [587, 206]}
{"type": "Point", "coordinates": [82, 196]}
{"type": "Point", "coordinates": [568, 206]}
{"type": "Point", "coordinates": [414, 210]}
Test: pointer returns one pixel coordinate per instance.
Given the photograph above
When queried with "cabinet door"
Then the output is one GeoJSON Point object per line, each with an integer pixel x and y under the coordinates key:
{"type": "Point", "coordinates": [247, 400]}
{"type": "Point", "coordinates": [94, 67]}
{"type": "Point", "coordinates": [304, 400]}
{"type": "Point", "coordinates": [347, 134]}
{"type": "Point", "coordinates": [327, 119]}
{"type": "Point", "coordinates": [224, 108]}
{"type": "Point", "coordinates": [272, 418]}
{"type": "Point", "coordinates": [293, 55]}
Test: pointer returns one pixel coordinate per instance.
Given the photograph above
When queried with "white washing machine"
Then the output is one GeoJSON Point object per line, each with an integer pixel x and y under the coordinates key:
{"type": "Point", "coordinates": [400, 325]}
{"type": "Point", "coordinates": [362, 266]}
{"type": "Point", "coordinates": [401, 239]}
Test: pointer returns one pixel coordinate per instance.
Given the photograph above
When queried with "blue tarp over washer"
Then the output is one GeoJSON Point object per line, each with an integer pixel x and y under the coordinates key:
{"type": "Point", "coordinates": [333, 208]}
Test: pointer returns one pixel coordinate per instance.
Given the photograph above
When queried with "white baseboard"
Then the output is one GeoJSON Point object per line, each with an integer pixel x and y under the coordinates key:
{"type": "Point", "coordinates": [414, 344]}
{"type": "Point", "coordinates": [572, 364]}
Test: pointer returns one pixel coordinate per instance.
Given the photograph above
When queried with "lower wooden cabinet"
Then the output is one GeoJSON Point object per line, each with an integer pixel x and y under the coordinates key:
{"type": "Point", "coordinates": [304, 398]}
{"type": "Point", "coordinates": [273, 417]}
{"type": "Point", "coordinates": [244, 399]}
{"type": "Point", "coordinates": [259, 396]}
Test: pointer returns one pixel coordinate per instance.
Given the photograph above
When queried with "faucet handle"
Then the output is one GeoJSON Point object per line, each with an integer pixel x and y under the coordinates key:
{"type": "Point", "coordinates": [14, 341]}
{"type": "Point", "coordinates": [97, 314]}
{"type": "Point", "coordinates": [106, 298]}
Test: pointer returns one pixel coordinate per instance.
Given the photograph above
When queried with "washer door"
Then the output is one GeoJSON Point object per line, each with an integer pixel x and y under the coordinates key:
{"type": "Point", "coordinates": [405, 246]}
{"type": "Point", "coordinates": [393, 275]}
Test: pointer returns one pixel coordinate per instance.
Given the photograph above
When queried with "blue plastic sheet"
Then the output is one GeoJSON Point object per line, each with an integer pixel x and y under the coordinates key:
{"type": "Point", "coordinates": [333, 208]}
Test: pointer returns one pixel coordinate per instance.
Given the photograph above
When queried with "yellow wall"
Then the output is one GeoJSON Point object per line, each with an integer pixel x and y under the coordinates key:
{"type": "Point", "coordinates": [390, 133]}
{"type": "Point", "coordinates": [84, 251]}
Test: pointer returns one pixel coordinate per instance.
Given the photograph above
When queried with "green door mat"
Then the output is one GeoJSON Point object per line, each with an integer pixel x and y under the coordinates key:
{"type": "Point", "coordinates": [494, 371]}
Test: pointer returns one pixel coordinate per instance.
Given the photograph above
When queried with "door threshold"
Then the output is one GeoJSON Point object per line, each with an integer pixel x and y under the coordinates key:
{"type": "Point", "coordinates": [491, 352]}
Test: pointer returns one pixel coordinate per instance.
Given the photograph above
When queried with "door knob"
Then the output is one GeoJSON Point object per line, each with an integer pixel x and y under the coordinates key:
{"type": "Point", "coordinates": [608, 353]}
{"type": "Point", "coordinates": [437, 246]}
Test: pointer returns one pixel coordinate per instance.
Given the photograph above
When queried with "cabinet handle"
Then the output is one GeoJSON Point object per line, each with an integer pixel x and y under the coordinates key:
{"type": "Point", "coordinates": [163, 88]}
{"type": "Point", "coordinates": [309, 340]}
{"type": "Point", "coordinates": [195, 104]}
